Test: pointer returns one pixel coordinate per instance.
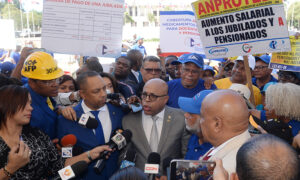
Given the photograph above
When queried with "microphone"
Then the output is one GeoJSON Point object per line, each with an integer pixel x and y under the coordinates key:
{"type": "Point", "coordinates": [166, 166]}
{"type": "Point", "coordinates": [87, 121]}
{"type": "Point", "coordinates": [73, 170]}
{"type": "Point", "coordinates": [129, 159]}
{"type": "Point", "coordinates": [118, 141]}
{"type": "Point", "coordinates": [152, 166]}
{"type": "Point", "coordinates": [69, 148]}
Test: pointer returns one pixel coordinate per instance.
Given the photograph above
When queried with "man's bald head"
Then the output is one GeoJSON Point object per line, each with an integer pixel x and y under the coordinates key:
{"type": "Point", "coordinates": [267, 157]}
{"type": "Point", "coordinates": [154, 96]}
{"type": "Point", "coordinates": [224, 114]}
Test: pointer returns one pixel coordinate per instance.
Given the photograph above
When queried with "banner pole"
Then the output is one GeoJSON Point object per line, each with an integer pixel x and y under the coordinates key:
{"type": "Point", "coordinates": [249, 78]}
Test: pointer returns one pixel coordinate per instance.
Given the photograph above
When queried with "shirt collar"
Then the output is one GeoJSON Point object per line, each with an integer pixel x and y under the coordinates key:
{"type": "Point", "coordinates": [87, 109]}
{"type": "Point", "coordinates": [216, 149]}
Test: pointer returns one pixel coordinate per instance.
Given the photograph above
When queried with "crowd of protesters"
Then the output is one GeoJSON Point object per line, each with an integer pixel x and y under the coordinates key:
{"type": "Point", "coordinates": [187, 110]}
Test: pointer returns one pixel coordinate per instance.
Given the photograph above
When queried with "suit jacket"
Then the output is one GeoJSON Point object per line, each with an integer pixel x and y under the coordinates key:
{"type": "Point", "coordinates": [229, 151]}
{"type": "Point", "coordinates": [87, 140]}
{"type": "Point", "coordinates": [173, 139]}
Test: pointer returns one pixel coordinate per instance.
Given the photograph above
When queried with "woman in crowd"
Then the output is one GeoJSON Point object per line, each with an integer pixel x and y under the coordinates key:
{"type": "Point", "coordinates": [67, 84]}
{"type": "Point", "coordinates": [26, 152]}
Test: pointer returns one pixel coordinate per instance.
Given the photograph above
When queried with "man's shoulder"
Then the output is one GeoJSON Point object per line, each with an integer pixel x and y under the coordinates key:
{"type": "Point", "coordinates": [223, 83]}
{"type": "Point", "coordinates": [131, 117]}
{"type": "Point", "coordinates": [174, 82]}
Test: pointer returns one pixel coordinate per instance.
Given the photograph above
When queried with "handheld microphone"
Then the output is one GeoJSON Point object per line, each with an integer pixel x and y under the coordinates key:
{"type": "Point", "coordinates": [118, 141]}
{"type": "Point", "coordinates": [166, 166]}
{"type": "Point", "coordinates": [69, 147]}
{"type": "Point", "coordinates": [68, 140]}
{"type": "Point", "coordinates": [129, 159]}
{"type": "Point", "coordinates": [152, 166]}
{"type": "Point", "coordinates": [73, 170]}
{"type": "Point", "coordinates": [87, 121]}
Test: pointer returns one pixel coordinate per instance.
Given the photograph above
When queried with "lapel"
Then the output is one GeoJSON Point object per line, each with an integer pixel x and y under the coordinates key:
{"type": "Point", "coordinates": [141, 133]}
{"type": "Point", "coordinates": [88, 133]}
{"type": "Point", "coordinates": [168, 121]}
{"type": "Point", "coordinates": [112, 116]}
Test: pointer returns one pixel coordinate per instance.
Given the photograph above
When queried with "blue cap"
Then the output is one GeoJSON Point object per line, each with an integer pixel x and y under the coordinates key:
{"type": "Point", "coordinates": [139, 37]}
{"type": "Point", "coordinates": [194, 58]}
{"type": "Point", "coordinates": [267, 85]}
{"type": "Point", "coordinates": [193, 105]}
{"type": "Point", "coordinates": [265, 58]}
{"type": "Point", "coordinates": [209, 68]}
{"type": "Point", "coordinates": [180, 60]}
{"type": "Point", "coordinates": [7, 67]}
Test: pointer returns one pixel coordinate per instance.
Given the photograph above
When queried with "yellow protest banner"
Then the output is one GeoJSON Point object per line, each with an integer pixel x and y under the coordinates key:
{"type": "Point", "coordinates": [287, 61]}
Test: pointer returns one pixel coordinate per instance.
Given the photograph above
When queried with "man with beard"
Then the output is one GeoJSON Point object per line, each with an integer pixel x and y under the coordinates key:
{"type": "Point", "coordinates": [191, 106]}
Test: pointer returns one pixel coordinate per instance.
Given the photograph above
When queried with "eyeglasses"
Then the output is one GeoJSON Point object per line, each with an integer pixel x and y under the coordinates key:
{"type": "Point", "coordinates": [49, 82]}
{"type": "Point", "coordinates": [260, 67]}
{"type": "Point", "coordinates": [151, 96]}
{"type": "Point", "coordinates": [150, 70]}
{"type": "Point", "coordinates": [193, 72]}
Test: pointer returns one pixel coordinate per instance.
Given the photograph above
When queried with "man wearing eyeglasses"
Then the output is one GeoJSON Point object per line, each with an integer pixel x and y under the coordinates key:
{"type": "Point", "coordinates": [262, 73]}
{"type": "Point", "coordinates": [190, 82]}
{"type": "Point", "coordinates": [42, 72]}
{"type": "Point", "coordinates": [158, 128]}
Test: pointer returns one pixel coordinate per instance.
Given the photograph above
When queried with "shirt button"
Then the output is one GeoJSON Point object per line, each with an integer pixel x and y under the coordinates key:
{"type": "Point", "coordinates": [196, 150]}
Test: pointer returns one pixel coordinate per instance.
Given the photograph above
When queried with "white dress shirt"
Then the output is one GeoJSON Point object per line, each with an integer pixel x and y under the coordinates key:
{"type": "Point", "coordinates": [136, 74]}
{"type": "Point", "coordinates": [104, 119]}
{"type": "Point", "coordinates": [148, 122]}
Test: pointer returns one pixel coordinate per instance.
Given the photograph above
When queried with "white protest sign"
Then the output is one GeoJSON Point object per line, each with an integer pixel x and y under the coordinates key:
{"type": "Point", "coordinates": [84, 27]}
{"type": "Point", "coordinates": [241, 27]}
{"type": "Point", "coordinates": [178, 33]}
{"type": "Point", "coordinates": [7, 34]}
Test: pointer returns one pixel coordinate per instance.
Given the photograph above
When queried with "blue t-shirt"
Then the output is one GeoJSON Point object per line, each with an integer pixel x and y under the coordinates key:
{"type": "Point", "coordinates": [195, 150]}
{"type": "Point", "coordinates": [141, 48]}
{"type": "Point", "coordinates": [295, 126]}
{"type": "Point", "coordinates": [176, 90]}
{"type": "Point", "coordinates": [16, 56]}
{"type": "Point", "coordinates": [261, 88]}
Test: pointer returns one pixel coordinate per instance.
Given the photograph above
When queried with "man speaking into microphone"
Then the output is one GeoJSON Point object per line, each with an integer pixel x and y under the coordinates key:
{"type": "Point", "coordinates": [158, 128]}
{"type": "Point", "coordinates": [92, 89]}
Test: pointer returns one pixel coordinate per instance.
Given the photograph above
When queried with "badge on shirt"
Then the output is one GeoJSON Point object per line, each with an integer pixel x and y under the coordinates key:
{"type": "Point", "coordinates": [66, 152]}
{"type": "Point", "coordinates": [83, 119]}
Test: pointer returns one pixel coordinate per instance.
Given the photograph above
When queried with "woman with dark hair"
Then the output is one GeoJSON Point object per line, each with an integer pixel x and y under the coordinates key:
{"type": "Point", "coordinates": [26, 152]}
{"type": "Point", "coordinates": [67, 84]}
{"type": "Point", "coordinates": [129, 173]}
{"type": "Point", "coordinates": [110, 82]}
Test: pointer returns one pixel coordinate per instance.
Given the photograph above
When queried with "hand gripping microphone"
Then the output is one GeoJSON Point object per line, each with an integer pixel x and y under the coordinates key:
{"type": "Point", "coordinates": [129, 159]}
{"type": "Point", "coordinates": [118, 141]}
{"type": "Point", "coordinates": [152, 166]}
{"type": "Point", "coordinates": [87, 121]}
{"type": "Point", "coordinates": [73, 170]}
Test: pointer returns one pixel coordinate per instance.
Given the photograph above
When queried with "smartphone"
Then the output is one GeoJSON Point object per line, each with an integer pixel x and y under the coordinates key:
{"type": "Point", "coordinates": [136, 107]}
{"type": "Point", "coordinates": [191, 169]}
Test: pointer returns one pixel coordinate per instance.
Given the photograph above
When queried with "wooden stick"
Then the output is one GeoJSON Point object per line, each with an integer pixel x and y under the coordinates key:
{"type": "Point", "coordinates": [249, 78]}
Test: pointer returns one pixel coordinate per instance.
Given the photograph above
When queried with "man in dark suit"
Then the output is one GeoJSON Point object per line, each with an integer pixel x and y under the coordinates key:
{"type": "Point", "coordinates": [136, 58]}
{"type": "Point", "coordinates": [158, 128]}
{"type": "Point", "coordinates": [92, 89]}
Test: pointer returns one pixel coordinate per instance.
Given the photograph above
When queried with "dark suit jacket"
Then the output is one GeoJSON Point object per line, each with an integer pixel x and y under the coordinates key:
{"type": "Point", "coordinates": [173, 139]}
{"type": "Point", "coordinates": [87, 140]}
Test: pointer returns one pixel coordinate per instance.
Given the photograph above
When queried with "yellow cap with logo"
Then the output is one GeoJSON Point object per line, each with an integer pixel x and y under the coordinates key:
{"type": "Point", "coordinates": [42, 66]}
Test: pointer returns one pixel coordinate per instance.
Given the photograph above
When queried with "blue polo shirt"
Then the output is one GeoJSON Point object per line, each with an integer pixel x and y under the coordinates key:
{"type": "Point", "coordinates": [195, 150]}
{"type": "Point", "coordinates": [176, 90]}
{"type": "Point", "coordinates": [261, 88]}
{"type": "Point", "coordinates": [141, 48]}
{"type": "Point", "coordinates": [42, 116]}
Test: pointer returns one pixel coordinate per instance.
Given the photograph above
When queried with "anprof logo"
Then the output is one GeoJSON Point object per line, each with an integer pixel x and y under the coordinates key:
{"type": "Point", "coordinates": [246, 48]}
{"type": "Point", "coordinates": [218, 51]}
{"type": "Point", "coordinates": [273, 44]}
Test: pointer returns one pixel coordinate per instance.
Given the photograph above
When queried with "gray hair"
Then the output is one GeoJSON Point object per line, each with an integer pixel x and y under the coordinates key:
{"type": "Point", "coordinates": [152, 59]}
{"type": "Point", "coordinates": [284, 99]}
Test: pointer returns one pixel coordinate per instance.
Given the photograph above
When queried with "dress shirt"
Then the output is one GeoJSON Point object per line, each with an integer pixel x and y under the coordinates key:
{"type": "Point", "coordinates": [104, 119]}
{"type": "Point", "coordinates": [148, 122]}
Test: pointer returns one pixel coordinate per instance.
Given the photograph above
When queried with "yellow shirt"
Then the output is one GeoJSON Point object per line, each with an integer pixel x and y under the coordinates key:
{"type": "Point", "coordinates": [226, 83]}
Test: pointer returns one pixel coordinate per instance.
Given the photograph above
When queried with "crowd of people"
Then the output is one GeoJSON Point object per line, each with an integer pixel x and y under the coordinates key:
{"type": "Point", "coordinates": [178, 107]}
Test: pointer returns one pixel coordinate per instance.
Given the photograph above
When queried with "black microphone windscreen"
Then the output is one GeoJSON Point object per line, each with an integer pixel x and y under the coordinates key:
{"type": "Point", "coordinates": [79, 167]}
{"type": "Point", "coordinates": [92, 123]}
{"type": "Point", "coordinates": [166, 163]}
{"type": "Point", "coordinates": [127, 135]}
{"type": "Point", "coordinates": [130, 155]}
{"type": "Point", "coordinates": [154, 158]}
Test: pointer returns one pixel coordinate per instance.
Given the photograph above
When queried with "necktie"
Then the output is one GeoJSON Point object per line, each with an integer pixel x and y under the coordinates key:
{"type": "Point", "coordinates": [207, 156]}
{"type": "Point", "coordinates": [99, 131]}
{"type": "Point", "coordinates": [50, 104]}
{"type": "Point", "coordinates": [154, 135]}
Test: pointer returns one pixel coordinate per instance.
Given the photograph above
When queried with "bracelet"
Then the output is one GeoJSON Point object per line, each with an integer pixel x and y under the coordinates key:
{"type": "Point", "coordinates": [89, 156]}
{"type": "Point", "coordinates": [8, 174]}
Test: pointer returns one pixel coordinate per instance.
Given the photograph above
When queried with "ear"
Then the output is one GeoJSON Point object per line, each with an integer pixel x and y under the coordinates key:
{"type": "Point", "coordinates": [81, 94]}
{"type": "Point", "coordinates": [234, 176]}
{"type": "Point", "coordinates": [218, 124]}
